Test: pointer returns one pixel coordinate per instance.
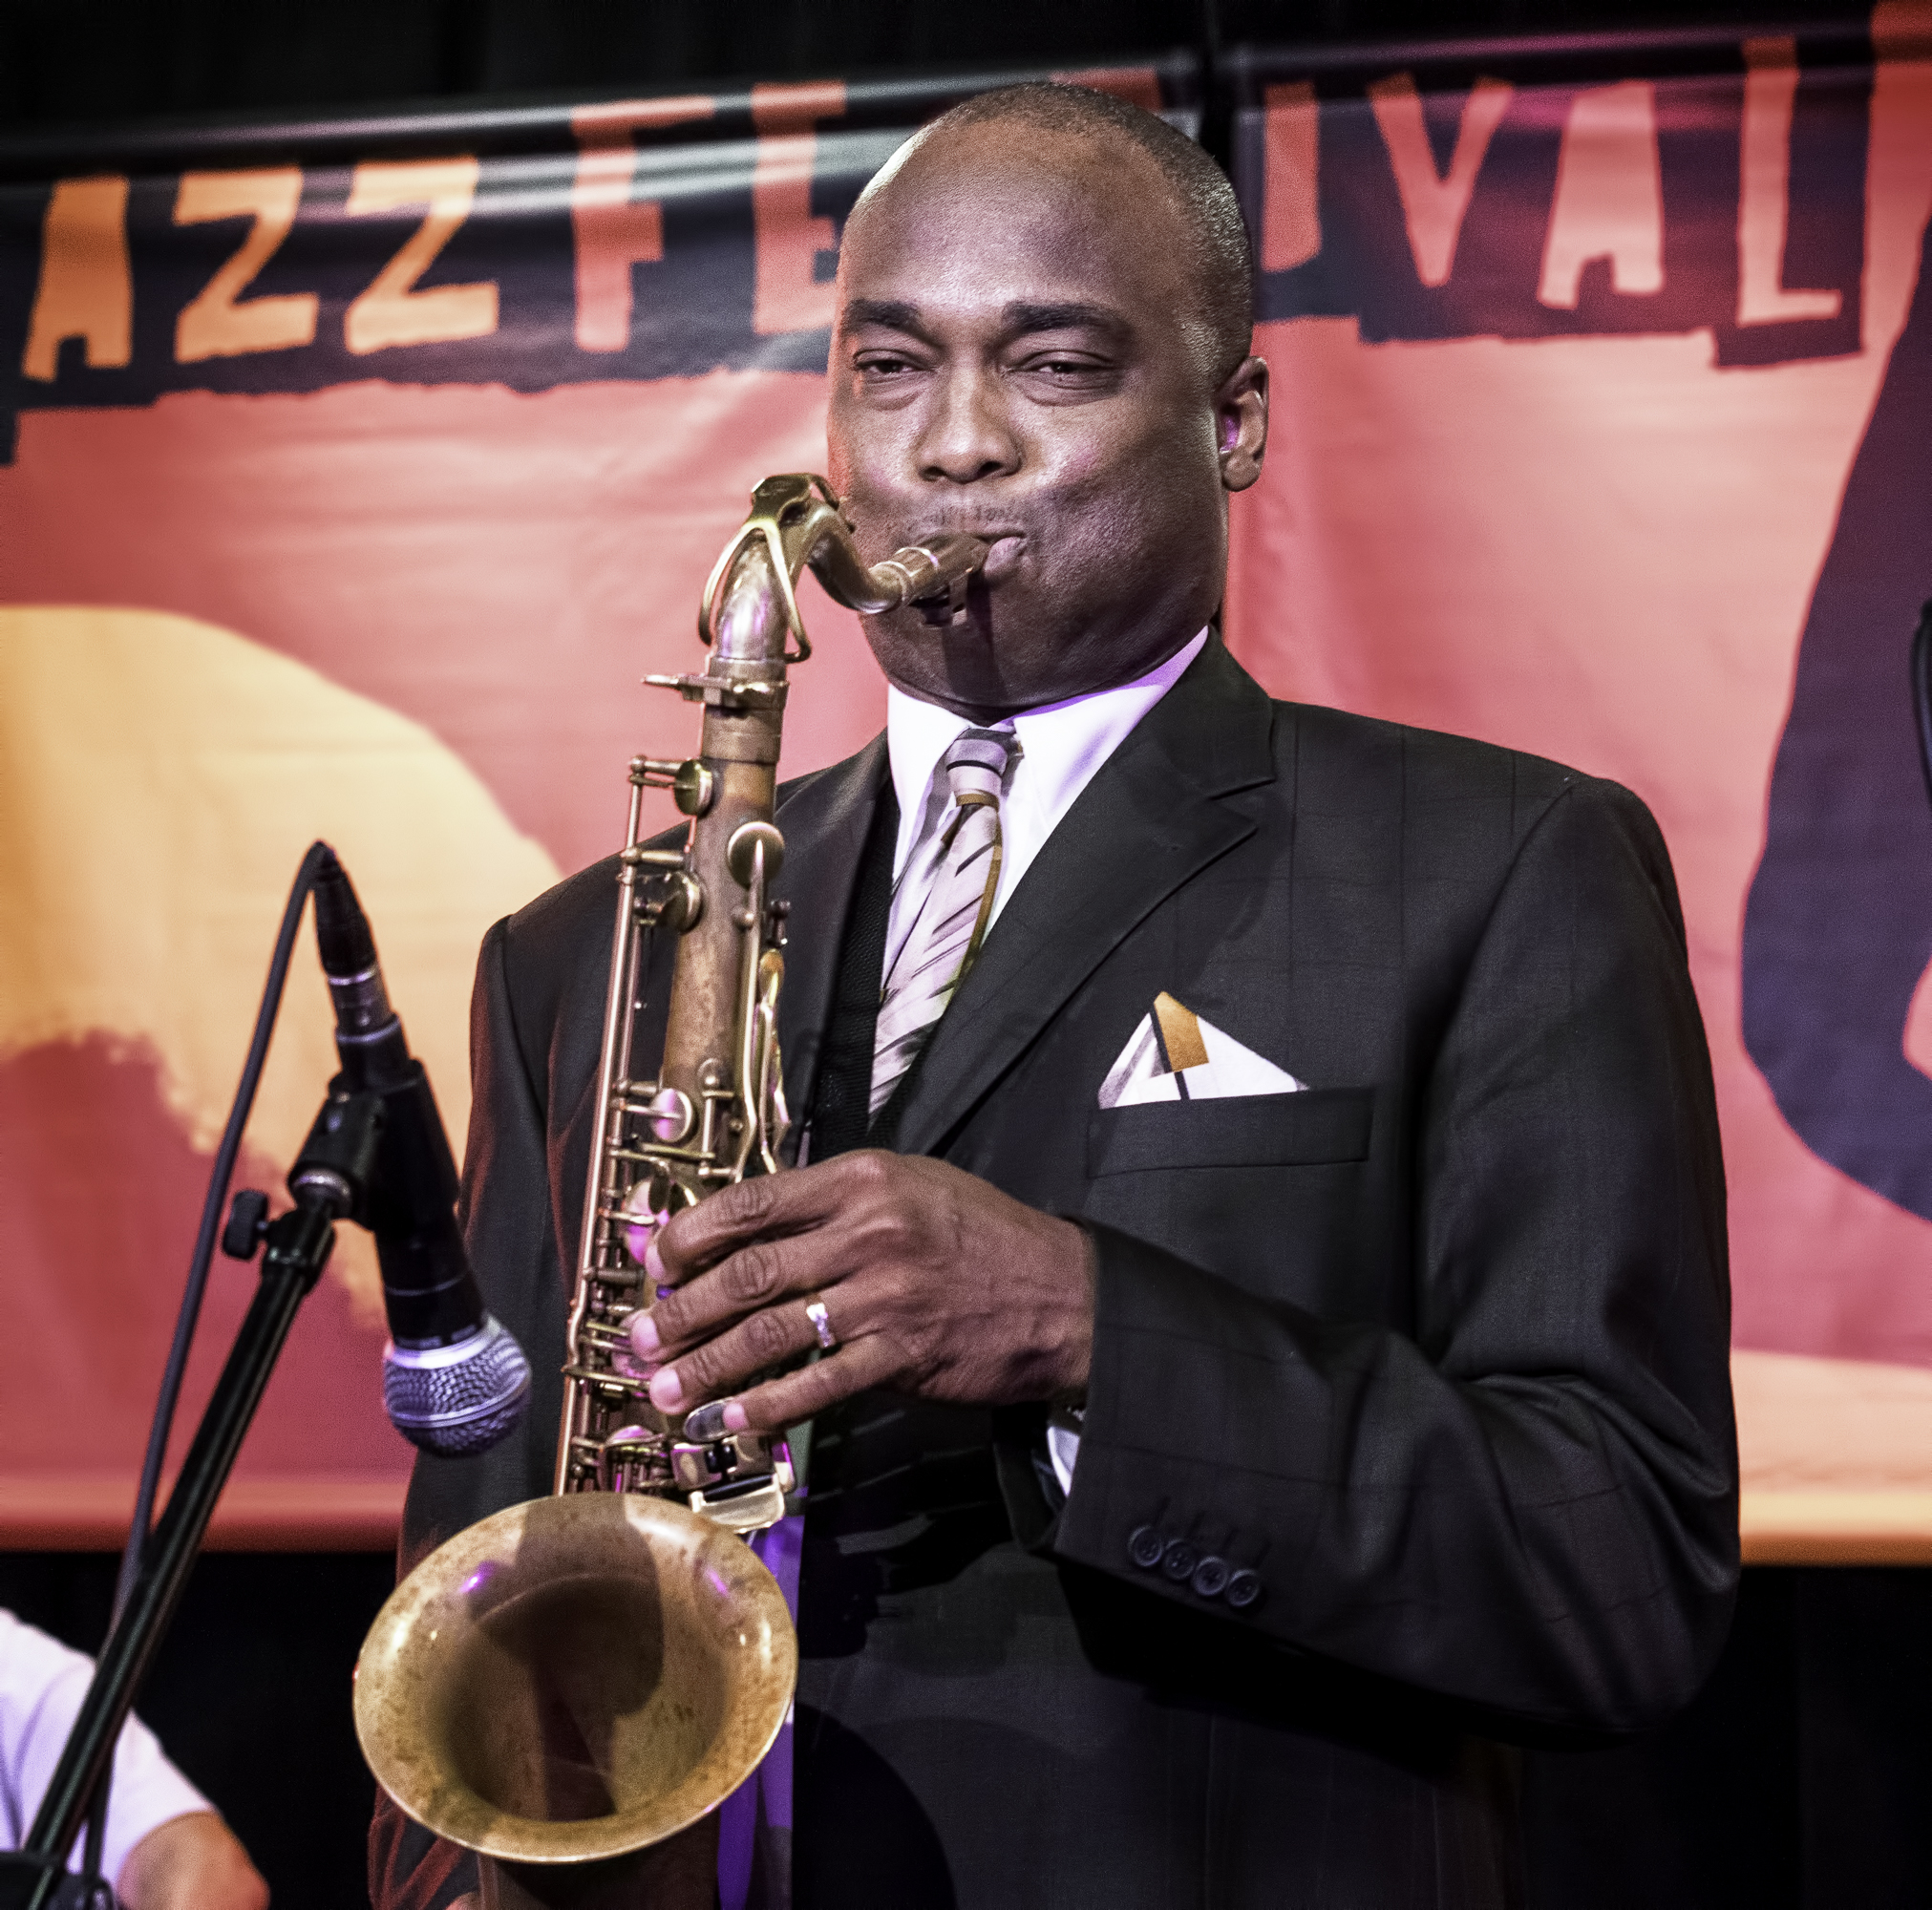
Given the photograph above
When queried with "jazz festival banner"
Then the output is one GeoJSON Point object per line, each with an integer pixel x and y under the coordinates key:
{"type": "Point", "coordinates": [356, 471]}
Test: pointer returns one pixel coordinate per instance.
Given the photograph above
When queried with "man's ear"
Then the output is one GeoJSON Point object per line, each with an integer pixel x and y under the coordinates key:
{"type": "Point", "coordinates": [1241, 420]}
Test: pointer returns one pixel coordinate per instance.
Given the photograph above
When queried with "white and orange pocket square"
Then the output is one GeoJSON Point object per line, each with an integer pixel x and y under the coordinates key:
{"type": "Point", "coordinates": [1178, 1055]}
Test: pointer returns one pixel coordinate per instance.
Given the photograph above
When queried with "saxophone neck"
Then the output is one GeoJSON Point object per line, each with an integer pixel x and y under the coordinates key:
{"type": "Point", "coordinates": [751, 608]}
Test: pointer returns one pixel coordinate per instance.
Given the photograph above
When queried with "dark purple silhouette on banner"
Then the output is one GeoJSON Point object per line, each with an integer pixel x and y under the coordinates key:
{"type": "Point", "coordinates": [1838, 926]}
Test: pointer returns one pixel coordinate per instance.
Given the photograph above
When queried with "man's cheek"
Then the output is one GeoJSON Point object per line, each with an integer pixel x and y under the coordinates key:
{"type": "Point", "coordinates": [839, 471]}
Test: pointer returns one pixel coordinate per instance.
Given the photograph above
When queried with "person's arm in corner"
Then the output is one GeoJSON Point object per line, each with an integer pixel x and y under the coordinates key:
{"type": "Point", "coordinates": [191, 1862]}
{"type": "Point", "coordinates": [165, 1848]}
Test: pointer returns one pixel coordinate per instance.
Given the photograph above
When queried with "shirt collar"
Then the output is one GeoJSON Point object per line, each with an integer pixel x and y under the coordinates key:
{"type": "Point", "coordinates": [1063, 743]}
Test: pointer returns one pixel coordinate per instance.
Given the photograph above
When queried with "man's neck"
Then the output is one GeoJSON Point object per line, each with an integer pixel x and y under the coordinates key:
{"type": "Point", "coordinates": [987, 715]}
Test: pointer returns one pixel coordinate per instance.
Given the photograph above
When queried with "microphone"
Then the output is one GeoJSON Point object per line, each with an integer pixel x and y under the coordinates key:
{"type": "Point", "coordinates": [454, 1379]}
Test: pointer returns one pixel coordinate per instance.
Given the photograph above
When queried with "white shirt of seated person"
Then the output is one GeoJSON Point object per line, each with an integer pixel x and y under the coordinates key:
{"type": "Point", "coordinates": [42, 1684]}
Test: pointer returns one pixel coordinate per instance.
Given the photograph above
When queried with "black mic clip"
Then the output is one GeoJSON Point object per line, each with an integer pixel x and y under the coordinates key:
{"type": "Point", "coordinates": [338, 1163]}
{"type": "Point", "coordinates": [334, 1177]}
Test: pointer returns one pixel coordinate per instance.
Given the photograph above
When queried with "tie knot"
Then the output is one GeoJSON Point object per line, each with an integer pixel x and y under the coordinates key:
{"type": "Point", "coordinates": [976, 762]}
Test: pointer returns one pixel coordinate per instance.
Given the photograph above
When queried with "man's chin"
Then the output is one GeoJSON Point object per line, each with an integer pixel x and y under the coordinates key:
{"type": "Point", "coordinates": [998, 659]}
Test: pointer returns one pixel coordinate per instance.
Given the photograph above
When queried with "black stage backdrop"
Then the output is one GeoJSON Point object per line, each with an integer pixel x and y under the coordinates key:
{"type": "Point", "coordinates": [1799, 1777]}
{"type": "Point", "coordinates": [1797, 1781]}
{"type": "Point", "coordinates": [97, 59]}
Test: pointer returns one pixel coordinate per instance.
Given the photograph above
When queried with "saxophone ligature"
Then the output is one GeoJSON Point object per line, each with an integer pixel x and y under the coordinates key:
{"type": "Point", "coordinates": [579, 1677]}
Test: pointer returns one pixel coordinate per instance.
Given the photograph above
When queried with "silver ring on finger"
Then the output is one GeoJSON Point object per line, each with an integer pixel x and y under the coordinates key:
{"type": "Point", "coordinates": [815, 1311]}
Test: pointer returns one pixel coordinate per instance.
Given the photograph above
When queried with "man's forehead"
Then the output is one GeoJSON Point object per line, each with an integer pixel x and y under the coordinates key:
{"type": "Point", "coordinates": [1013, 315]}
{"type": "Point", "coordinates": [1002, 170]}
{"type": "Point", "coordinates": [1043, 234]}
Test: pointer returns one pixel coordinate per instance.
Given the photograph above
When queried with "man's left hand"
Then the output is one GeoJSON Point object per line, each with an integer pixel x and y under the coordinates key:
{"type": "Point", "coordinates": [933, 1282]}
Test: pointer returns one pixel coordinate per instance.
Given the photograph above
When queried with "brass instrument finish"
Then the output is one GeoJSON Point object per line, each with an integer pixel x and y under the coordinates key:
{"type": "Point", "coordinates": [578, 1678]}
{"type": "Point", "coordinates": [715, 1110]}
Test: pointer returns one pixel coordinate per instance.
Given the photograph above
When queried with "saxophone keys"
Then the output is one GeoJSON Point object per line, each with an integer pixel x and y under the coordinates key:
{"type": "Point", "coordinates": [693, 788]}
{"type": "Point", "coordinates": [741, 853]}
{"type": "Point", "coordinates": [643, 1214]}
{"type": "Point", "coordinates": [675, 900]}
{"type": "Point", "coordinates": [669, 1114]}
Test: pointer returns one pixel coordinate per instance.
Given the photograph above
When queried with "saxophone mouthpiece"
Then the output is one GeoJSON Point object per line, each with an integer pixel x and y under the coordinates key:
{"type": "Point", "coordinates": [935, 575]}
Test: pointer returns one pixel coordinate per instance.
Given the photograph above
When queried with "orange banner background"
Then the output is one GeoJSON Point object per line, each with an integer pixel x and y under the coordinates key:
{"type": "Point", "coordinates": [410, 617]}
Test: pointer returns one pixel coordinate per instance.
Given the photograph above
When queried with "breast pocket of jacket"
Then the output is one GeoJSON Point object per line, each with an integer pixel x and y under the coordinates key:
{"type": "Point", "coordinates": [1316, 1126]}
{"type": "Point", "coordinates": [1267, 1190]}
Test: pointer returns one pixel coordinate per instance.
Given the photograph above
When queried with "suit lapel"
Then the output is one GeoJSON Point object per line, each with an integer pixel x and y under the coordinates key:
{"type": "Point", "coordinates": [825, 821]}
{"type": "Point", "coordinates": [1151, 818]}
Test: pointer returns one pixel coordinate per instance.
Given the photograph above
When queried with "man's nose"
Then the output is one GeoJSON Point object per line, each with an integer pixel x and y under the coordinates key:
{"type": "Point", "coordinates": [968, 433]}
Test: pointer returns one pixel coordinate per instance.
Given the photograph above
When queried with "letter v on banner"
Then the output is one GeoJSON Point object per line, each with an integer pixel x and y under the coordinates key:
{"type": "Point", "coordinates": [788, 295]}
{"type": "Point", "coordinates": [1434, 204]}
{"type": "Point", "coordinates": [611, 231]}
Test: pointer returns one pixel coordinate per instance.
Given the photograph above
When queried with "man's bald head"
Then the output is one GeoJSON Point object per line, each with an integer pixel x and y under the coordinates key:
{"type": "Point", "coordinates": [1197, 190]}
{"type": "Point", "coordinates": [1041, 340]}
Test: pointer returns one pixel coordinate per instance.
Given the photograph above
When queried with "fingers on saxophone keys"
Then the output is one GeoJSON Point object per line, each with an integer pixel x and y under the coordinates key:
{"type": "Point", "coordinates": [794, 1398]}
{"type": "Point", "coordinates": [745, 1281]}
{"type": "Point", "coordinates": [765, 1339]}
{"type": "Point", "coordinates": [760, 1275]}
{"type": "Point", "coordinates": [703, 1236]}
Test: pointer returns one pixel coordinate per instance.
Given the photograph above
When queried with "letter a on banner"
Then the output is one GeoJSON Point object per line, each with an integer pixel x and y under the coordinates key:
{"type": "Point", "coordinates": [1609, 198]}
{"type": "Point", "coordinates": [1292, 200]}
{"type": "Point", "coordinates": [86, 290]}
{"type": "Point", "coordinates": [1434, 204]}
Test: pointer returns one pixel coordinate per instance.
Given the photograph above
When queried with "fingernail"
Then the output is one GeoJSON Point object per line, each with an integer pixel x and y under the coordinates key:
{"type": "Point", "coordinates": [667, 1390]}
{"type": "Point", "coordinates": [735, 1416]}
{"type": "Point", "coordinates": [643, 1335]}
{"type": "Point", "coordinates": [703, 1423]}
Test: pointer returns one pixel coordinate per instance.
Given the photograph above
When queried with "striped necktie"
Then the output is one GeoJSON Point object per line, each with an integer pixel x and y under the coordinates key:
{"type": "Point", "coordinates": [961, 877]}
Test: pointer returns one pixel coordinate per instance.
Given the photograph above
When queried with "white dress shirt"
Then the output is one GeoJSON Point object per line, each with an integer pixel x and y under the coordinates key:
{"type": "Point", "coordinates": [1061, 747]}
{"type": "Point", "coordinates": [41, 1685]}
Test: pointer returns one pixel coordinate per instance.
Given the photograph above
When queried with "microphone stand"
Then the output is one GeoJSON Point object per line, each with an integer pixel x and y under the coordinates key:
{"type": "Point", "coordinates": [330, 1181]}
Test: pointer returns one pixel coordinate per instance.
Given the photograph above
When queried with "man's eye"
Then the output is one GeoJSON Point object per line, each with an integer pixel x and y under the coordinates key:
{"type": "Point", "coordinates": [1054, 366]}
{"type": "Point", "coordinates": [883, 364]}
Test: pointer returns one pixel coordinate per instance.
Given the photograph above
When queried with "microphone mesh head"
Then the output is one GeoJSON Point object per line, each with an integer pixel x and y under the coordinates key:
{"type": "Point", "coordinates": [453, 1401]}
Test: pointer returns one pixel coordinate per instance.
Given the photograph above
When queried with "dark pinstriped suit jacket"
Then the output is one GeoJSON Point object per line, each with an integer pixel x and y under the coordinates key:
{"type": "Point", "coordinates": [1436, 1348]}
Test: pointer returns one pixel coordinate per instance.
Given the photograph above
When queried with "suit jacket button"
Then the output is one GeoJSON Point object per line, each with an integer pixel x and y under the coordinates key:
{"type": "Point", "coordinates": [1210, 1576]}
{"type": "Point", "coordinates": [1144, 1547]}
{"type": "Point", "coordinates": [1244, 1589]}
{"type": "Point", "coordinates": [1179, 1561]}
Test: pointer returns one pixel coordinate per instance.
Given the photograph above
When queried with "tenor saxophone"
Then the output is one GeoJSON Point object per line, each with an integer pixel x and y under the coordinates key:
{"type": "Point", "coordinates": [580, 1677]}
{"type": "Point", "coordinates": [716, 1109]}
